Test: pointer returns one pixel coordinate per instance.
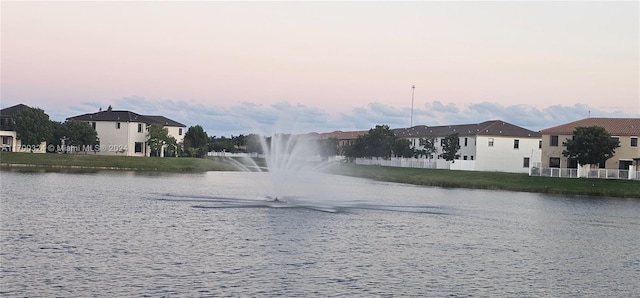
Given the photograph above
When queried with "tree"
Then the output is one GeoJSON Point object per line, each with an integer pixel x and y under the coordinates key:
{"type": "Point", "coordinates": [378, 142]}
{"type": "Point", "coordinates": [328, 147]}
{"type": "Point", "coordinates": [58, 132]}
{"type": "Point", "coordinates": [402, 148]}
{"type": "Point", "coordinates": [254, 143]}
{"type": "Point", "coordinates": [450, 147]}
{"type": "Point", "coordinates": [239, 141]}
{"type": "Point", "coordinates": [590, 145]}
{"type": "Point", "coordinates": [160, 139]}
{"type": "Point", "coordinates": [80, 134]}
{"type": "Point", "coordinates": [221, 144]}
{"type": "Point", "coordinates": [33, 127]}
{"type": "Point", "coordinates": [429, 145]}
{"type": "Point", "coordinates": [196, 141]}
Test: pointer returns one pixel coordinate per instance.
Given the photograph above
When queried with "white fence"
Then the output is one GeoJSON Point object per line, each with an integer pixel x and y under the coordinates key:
{"type": "Point", "coordinates": [229, 154]}
{"type": "Point", "coordinates": [632, 173]}
{"type": "Point", "coordinates": [466, 165]}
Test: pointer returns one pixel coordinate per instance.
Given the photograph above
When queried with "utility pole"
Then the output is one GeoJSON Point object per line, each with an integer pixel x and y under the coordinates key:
{"type": "Point", "coordinates": [413, 91]}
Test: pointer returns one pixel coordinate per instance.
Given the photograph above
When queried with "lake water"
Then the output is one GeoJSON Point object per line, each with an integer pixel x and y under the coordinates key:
{"type": "Point", "coordinates": [213, 234]}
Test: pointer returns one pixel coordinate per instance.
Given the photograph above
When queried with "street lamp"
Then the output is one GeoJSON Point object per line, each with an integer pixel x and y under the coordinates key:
{"type": "Point", "coordinates": [413, 89]}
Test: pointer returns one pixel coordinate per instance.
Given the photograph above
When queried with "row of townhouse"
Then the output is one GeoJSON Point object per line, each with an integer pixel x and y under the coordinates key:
{"type": "Point", "coordinates": [503, 147]}
{"type": "Point", "coordinates": [488, 146]}
{"type": "Point", "coordinates": [119, 132]}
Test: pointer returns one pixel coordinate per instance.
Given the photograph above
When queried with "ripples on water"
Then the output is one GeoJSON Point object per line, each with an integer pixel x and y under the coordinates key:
{"type": "Point", "coordinates": [215, 234]}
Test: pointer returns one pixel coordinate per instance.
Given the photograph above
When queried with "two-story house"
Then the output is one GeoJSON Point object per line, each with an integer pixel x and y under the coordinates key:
{"type": "Point", "coordinates": [626, 130]}
{"type": "Point", "coordinates": [126, 132]}
{"type": "Point", "coordinates": [488, 146]}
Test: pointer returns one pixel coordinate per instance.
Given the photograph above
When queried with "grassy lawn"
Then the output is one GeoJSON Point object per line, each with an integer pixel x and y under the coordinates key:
{"type": "Point", "coordinates": [114, 162]}
{"type": "Point", "coordinates": [495, 180]}
{"type": "Point", "coordinates": [428, 177]}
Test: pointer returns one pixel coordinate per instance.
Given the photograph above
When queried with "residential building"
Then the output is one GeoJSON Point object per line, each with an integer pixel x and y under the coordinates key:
{"type": "Point", "coordinates": [8, 136]}
{"type": "Point", "coordinates": [626, 130]}
{"type": "Point", "coordinates": [488, 146]}
{"type": "Point", "coordinates": [345, 138]}
{"type": "Point", "coordinates": [126, 132]}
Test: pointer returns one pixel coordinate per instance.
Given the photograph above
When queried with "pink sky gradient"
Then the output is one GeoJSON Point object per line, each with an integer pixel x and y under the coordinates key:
{"type": "Point", "coordinates": [331, 55]}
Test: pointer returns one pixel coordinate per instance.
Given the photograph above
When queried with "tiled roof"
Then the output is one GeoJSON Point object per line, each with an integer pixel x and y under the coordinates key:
{"type": "Point", "coordinates": [614, 126]}
{"type": "Point", "coordinates": [165, 121]}
{"type": "Point", "coordinates": [115, 116]}
{"type": "Point", "coordinates": [487, 128]}
{"type": "Point", "coordinates": [126, 116]}
{"type": "Point", "coordinates": [342, 135]}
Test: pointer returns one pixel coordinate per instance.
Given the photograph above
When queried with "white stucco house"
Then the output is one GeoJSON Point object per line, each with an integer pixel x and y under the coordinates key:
{"type": "Point", "coordinates": [488, 146]}
{"type": "Point", "coordinates": [126, 133]}
{"type": "Point", "coordinates": [8, 137]}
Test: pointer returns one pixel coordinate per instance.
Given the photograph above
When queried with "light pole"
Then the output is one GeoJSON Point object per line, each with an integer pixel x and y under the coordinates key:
{"type": "Point", "coordinates": [413, 89]}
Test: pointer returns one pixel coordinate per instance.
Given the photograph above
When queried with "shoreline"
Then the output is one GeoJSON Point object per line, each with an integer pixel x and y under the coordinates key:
{"type": "Point", "coordinates": [423, 177]}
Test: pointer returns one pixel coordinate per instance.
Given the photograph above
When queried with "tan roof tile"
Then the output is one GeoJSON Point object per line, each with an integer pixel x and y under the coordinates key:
{"type": "Point", "coordinates": [615, 126]}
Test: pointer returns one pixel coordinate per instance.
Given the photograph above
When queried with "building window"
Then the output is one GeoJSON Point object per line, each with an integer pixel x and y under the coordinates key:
{"type": "Point", "coordinates": [490, 142]}
{"type": "Point", "coordinates": [634, 142]}
{"type": "Point", "coordinates": [117, 125]}
{"type": "Point", "coordinates": [516, 144]}
{"type": "Point", "coordinates": [179, 131]}
{"type": "Point", "coordinates": [540, 144]}
{"type": "Point", "coordinates": [616, 139]}
{"type": "Point", "coordinates": [525, 162]}
{"type": "Point", "coordinates": [554, 162]}
{"type": "Point", "coordinates": [93, 125]}
{"type": "Point", "coordinates": [442, 142]}
{"type": "Point", "coordinates": [138, 147]}
{"type": "Point", "coordinates": [464, 157]}
{"type": "Point", "coordinates": [554, 141]}
{"type": "Point", "coordinates": [139, 127]}
{"type": "Point", "coordinates": [465, 142]}
{"type": "Point", "coordinates": [602, 164]}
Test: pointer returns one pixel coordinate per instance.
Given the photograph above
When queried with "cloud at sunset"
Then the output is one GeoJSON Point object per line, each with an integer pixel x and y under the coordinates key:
{"type": "Point", "coordinates": [236, 67]}
{"type": "Point", "coordinates": [284, 117]}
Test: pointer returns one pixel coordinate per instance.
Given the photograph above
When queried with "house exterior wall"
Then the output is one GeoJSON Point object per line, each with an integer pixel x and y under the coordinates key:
{"type": "Point", "coordinates": [503, 157]}
{"type": "Point", "coordinates": [176, 132]}
{"type": "Point", "coordinates": [8, 139]}
{"type": "Point", "coordinates": [624, 152]}
{"type": "Point", "coordinates": [549, 151]}
{"type": "Point", "coordinates": [10, 142]}
{"type": "Point", "coordinates": [121, 141]}
{"type": "Point", "coordinates": [467, 148]}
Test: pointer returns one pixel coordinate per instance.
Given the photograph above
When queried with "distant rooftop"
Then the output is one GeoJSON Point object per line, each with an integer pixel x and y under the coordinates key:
{"type": "Point", "coordinates": [13, 111]}
{"type": "Point", "coordinates": [487, 128]}
{"type": "Point", "coordinates": [614, 126]}
{"type": "Point", "coordinates": [126, 116]}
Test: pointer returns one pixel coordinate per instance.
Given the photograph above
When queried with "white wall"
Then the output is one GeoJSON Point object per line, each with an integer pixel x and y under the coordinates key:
{"type": "Point", "coordinates": [503, 157]}
{"type": "Point", "coordinates": [114, 141]}
{"type": "Point", "coordinates": [16, 144]}
{"type": "Point", "coordinates": [176, 132]}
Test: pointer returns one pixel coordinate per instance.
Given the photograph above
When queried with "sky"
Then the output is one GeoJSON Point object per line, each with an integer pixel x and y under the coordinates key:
{"type": "Point", "coordinates": [300, 66]}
